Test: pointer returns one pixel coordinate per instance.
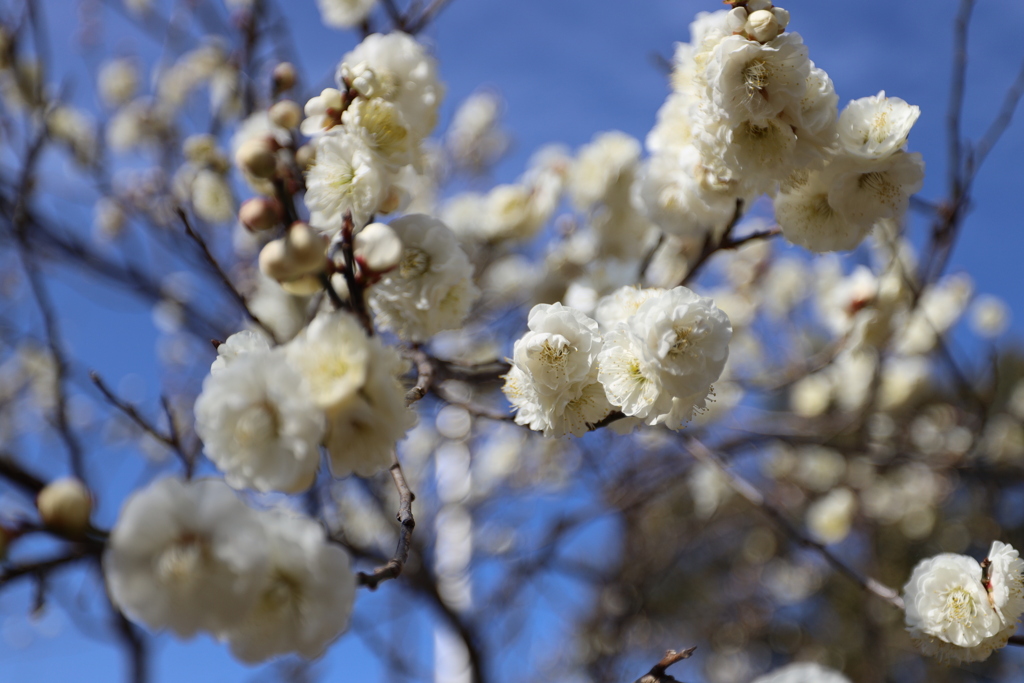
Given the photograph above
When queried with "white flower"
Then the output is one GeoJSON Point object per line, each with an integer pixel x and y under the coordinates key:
{"type": "Point", "coordinates": [307, 600]}
{"type": "Point", "coordinates": [559, 350]}
{"type": "Point", "coordinates": [346, 177]}
{"type": "Point", "coordinates": [237, 345]}
{"type": "Point", "coordinates": [361, 437]}
{"type": "Point", "coordinates": [804, 672]}
{"type": "Point", "coordinates": [808, 217]}
{"type": "Point", "coordinates": [474, 138]}
{"type": "Point", "coordinates": [945, 599]}
{"type": "Point", "coordinates": [686, 337]}
{"type": "Point", "coordinates": [405, 75]}
{"type": "Point", "coordinates": [344, 13]}
{"type": "Point", "coordinates": [211, 197]}
{"type": "Point", "coordinates": [1006, 581]}
{"type": "Point", "coordinates": [333, 355]}
{"type": "Point", "coordinates": [553, 382]}
{"type": "Point", "coordinates": [258, 424]}
{"type": "Point", "coordinates": [609, 157]}
{"type": "Point", "coordinates": [829, 518]}
{"type": "Point", "coordinates": [117, 82]}
{"type": "Point", "coordinates": [876, 127]}
{"type": "Point", "coordinates": [383, 127]}
{"type": "Point", "coordinates": [682, 196]}
{"type": "Point", "coordinates": [187, 556]}
{"type": "Point", "coordinates": [750, 81]}
{"type": "Point", "coordinates": [323, 112]}
{"type": "Point", "coordinates": [867, 191]}
{"type": "Point", "coordinates": [630, 380]}
{"type": "Point", "coordinates": [621, 304]}
{"type": "Point", "coordinates": [432, 288]}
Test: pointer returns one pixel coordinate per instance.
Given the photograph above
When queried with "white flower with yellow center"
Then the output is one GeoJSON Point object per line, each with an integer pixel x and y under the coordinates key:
{"type": "Point", "coordinates": [346, 177]}
{"type": "Point", "coordinates": [946, 600]}
{"type": "Point", "coordinates": [747, 80]}
{"type": "Point", "coordinates": [382, 126]}
{"type": "Point", "coordinates": [259, 425]}
{"type": "Point", "coordinates": [685, 339]}
{"type": "Point", "coordinates": [876, 127]}
{"type": "Point", "coordinates": [361, 438]}
{"type": "Point", "coordinates": [432, 288]}
{"type": "Point", "coordinates": [867, 191]}
{"type": "Point", "coordinates": [307, 599]}
{"type": "Point", "coordinates": [1005, 573]}
{"type": "Point", "coordinates": [403, 73]}
{"type": "Point", "coordinates": [332, 354]}
{"type": "Point", "coordinates": [187, 556]}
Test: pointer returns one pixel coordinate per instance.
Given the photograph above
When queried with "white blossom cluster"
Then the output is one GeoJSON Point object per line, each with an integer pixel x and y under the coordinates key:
{"type": "Point", "coordinates": [370, 129]}
{"type": "Point", "coordinates": [651, 354]}
{"type": "Point", "coordinates": [750, 114]}
{"type": "Point", "coordinates": [960, 610]}
{"type": "Point", "coordinates": [264, 412]}
{"type": "Point", "coordinates": [190, 557]}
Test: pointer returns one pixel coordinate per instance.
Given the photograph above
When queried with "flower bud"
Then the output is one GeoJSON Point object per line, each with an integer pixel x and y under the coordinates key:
{"type": "Point", "coordinates": [307, 248]}
{"type": "Point", "coordinates": [256, 158]}
{"type": "Point", "coordinates": [286, 114]}
{"type": "Point", "coordinates": [756, 5]}
{"type": "Point", "coordinates": [762, 26]}
{"type": "Point", "coordinates": [783, 17]}
{"type": "Point", "coordinates": [284, 77]}
{"type": "Point", "coordinates": [307, 285]}
{"type": "Point", "coordinates": [340, 285]}
{"type": "Point", "coordinates": [260, 213]}
{"type": "Point", "coordinates": [65, 505]}
{"type": "Point", "coordinates": [377, 248]}
{"type": "Point", "coordinates": [305, 156]}
{"type": "Point", "coordinates": [275, 261]}
{"type": "Point", "coordinates": [736, 19]}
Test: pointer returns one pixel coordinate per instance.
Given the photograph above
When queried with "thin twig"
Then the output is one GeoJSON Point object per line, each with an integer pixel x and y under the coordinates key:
{"type": "Point", "coordinates": [424, 376]}
{"type": "Point", "coordinates": [407, 523]}
{"type": "Point", "coordinates": [657, 673]}
{"type": "Point", "coordinates": [225, 280]}
{"type": "Point", "coordinates": [755, 498]}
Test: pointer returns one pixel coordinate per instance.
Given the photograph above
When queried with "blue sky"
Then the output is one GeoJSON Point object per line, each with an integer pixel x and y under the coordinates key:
{"type": "Point", "coordinates": [568, 69]}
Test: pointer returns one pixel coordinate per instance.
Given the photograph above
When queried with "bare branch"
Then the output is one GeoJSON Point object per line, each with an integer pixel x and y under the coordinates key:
{"type": "Point", "coordinates": [407, 523]}
{"type": "Point", "coordinates": [657, 673]}
{"type": "Point", "coordinates": [748, 491]}
{"type": "Point", "coordinates": [225, 280]}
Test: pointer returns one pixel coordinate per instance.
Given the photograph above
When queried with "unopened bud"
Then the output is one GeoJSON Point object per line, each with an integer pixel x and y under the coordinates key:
{"type": "Point", "coordinates": [377, 248]}
{"type": "Point", "coordinates": [260, 213]}
{"type": "Point", "coordinates": [340, 285]}
{"type": "Point", "coordinates": [65, 505]}
{"type": "Point", "coordinates": [307, 285]}
{"type": "Point", "coordinates": [275, 262]}
{"type": "Point", "coordinates": [762, 26]}
{"type": "Point", "coordinates": [756, 5]}
{"type": "Point", "coordinates": [305, 156]}
{"type": "Point", "coordinates": [284, 77]}
{"type": "Point", "coordinates": [783, 17]}
{"type": "Point", "coordinates": [736, 19]}
{"type": "Point", "coordinates": [256, 158]}
{"type": "Point", "coordinates": [307, 247]}
{"type": "Point", "coordinates": [286, 114]}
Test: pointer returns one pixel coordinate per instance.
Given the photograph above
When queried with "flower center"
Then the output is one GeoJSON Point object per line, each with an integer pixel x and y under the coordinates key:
{"type": "Point", "coordinates": [415, 262]}
{"type": "Point", "coordinates": [960, 606]}
{"type": "Point", "coordinates": [182, 562]}
{"type": "Point", "coordinates": [257, 424]}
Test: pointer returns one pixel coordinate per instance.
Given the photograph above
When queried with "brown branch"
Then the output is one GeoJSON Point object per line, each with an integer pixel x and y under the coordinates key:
{"type": "Point", "coordinates": [749, 492]}
{"type": "Point", "coordinates": [657, 673]}
{"type": "Point", "coordinates": [225, 280]}
{"type": "Point", "coordinates": [407, 523]}
{"type": "Point", "coordinates": [999, 124]}
{"type": "Point", "coordinates": [43, 568]}
{"type": "Point", "coordinates": [13, 472]}
{"type": "Point", "coordinates": [424, 376]}
{"type": "Point", "coordinates": [726, 242]}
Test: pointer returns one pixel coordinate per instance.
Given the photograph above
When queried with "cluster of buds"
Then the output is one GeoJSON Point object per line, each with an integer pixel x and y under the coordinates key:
{"type": "Point", "coordinates": [757, 20]}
